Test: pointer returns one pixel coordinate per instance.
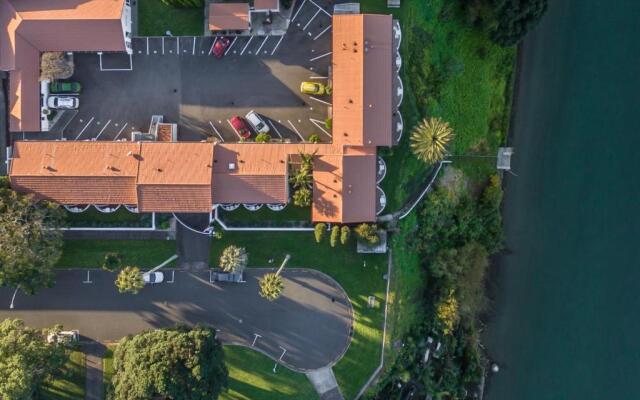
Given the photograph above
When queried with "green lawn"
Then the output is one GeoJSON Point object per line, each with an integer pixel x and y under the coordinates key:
{"type": "Point", "coordinates": [120, 218]}
{"type": "Point", "coordinates": [155, 18]}
{"type": "Point", "coordinates": [69, 385]}
{"type": "Point", "coordinates": [345, 266]}
{"type": "Point", "coordinates": [107, 367]}
{"type": "Point", "coordinates": [290, 216]}
{"type": "Point", "coordinates": [251, 377]}
{"type": "Point", "coordinates": [90, 253]}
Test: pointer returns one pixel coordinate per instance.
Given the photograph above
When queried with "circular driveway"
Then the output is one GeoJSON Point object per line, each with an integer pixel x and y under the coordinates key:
{"type": "Point", "coordinates": [308, 327]}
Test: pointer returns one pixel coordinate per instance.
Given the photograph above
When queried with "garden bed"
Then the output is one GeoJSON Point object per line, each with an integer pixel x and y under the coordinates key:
{"type": "Point", "coordinates": [156, 18]}
{"type": "Point", "coordinates": [121, 218]}
{"type": "Point", "coordinates": [290, 217]}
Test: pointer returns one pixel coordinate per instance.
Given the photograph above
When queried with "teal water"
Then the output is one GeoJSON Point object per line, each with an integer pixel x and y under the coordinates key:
{"type": "Point", "coordinates": [566, 321]}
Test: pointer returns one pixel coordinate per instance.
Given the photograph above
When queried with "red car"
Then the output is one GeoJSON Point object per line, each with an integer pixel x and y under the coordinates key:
{"type": "Point", "coordinates": [220, 46]}
{"type": "Point", "coordinates": [241, 127]}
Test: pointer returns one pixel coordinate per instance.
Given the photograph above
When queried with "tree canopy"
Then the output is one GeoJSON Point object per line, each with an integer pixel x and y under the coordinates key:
{"type": "Point", "coordinates": [30, 242]}
{"type": "Point", "coordinates": [178, 363]}
{"type": "Point", "coordinates": [130, 280]}
{"type": "Point", "coordinates": [233, 259]}
{"type": "Point", "coordinates": [26, 360]}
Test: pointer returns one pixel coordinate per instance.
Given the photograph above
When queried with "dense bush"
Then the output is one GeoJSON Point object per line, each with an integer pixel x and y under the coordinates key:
{"type": "Point", "coordinates": [112, 261]}
{"type": "Point", "coordinates": [184, 3]}
{"type": "Point", "coordinates": [335, 234]}
{"type": "Point", "coordinates": [318, 231]}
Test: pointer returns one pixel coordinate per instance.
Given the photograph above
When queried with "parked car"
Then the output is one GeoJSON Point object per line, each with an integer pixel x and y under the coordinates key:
{"type": "Point", "coordinates": [151, 278]}
{"type": "Point", "coordinates": [316, 88]}
{"type": "Point", "coordinates": [63, 102]}
{"type": "Point", "coordinates": [220, 46]}
{"type": "Point", "coordinates": [257, 122]}
{"type": "Point", "coordinates": [65, 87]}
{"type": "Point", "coordinates": [241, 127]}
{"type": "Point", "coordinates": [64, 337]}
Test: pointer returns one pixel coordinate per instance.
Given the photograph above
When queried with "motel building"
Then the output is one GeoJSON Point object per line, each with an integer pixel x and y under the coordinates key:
{"type": "Point", "coordinates": [195, 177]}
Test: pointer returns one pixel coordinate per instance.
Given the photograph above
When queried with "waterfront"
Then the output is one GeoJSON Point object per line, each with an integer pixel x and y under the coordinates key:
{"type": "Point", "coordinates": [565, 315]}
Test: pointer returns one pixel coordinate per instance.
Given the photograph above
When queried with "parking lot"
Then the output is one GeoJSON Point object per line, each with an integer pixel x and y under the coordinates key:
{"type": "Point", "coordinates": [179, 78]}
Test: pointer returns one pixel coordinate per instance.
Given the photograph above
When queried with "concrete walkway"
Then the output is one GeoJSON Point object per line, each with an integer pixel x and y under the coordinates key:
{"type": "Point", "coordinates": [94, 389]}
{"type": "Point", "coordinates": [324, 381]}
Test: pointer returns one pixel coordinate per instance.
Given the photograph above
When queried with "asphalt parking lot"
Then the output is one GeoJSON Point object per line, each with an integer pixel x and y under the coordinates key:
{"type": "Point", "coordinates": [179, 78]}
{"type": "Point", "coordinates": [307, 328]}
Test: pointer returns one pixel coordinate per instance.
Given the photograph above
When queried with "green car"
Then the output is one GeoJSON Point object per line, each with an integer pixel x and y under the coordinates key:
{"type": "Point", "coordinates": [65, 87]}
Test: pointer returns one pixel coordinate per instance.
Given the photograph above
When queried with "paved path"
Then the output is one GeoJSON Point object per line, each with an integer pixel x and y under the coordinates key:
{"type": "Point", "coordinates": [311, 320]}
{"type": "Point", "coordinates": [324, 381]}
{"type": "Point", "coordinates": [94, 388]}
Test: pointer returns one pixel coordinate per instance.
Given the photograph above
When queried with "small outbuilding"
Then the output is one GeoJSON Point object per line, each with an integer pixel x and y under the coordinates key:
{"type": "Point", "coordinates": [229, 17]}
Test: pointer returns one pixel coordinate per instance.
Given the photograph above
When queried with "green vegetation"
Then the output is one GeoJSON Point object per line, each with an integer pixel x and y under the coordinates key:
{"type": "Point", "coordinates": [429, 140]}
{"type": "Point", "coordinates": [251, 377]}
{"type": "Point", "coordinates": [361, 275]}
{"type": "Point", "coordinates": [27, 361]}
{"type": "Point", "coordinates": [335, 233]}
{"type": "Point", "coordinates": [91, 253]}
{"type": "Point", "coordinates": [290, 216]}
{"type": "Point", "coordinates": [318, 231]}
{"type": "Point", "coordinates": [263, 137]}
{"type": "Point", "coordinates": [233, 259]}
{"type": "Point", "coordinates": [271, 286]}
{"type": "Point", "coordinates": [107, 368]}
{"type": "Point", "coordinates": [178, 363]}
{"type": "Point", "coordinates": [368, 233]}
{"type": "Point", "coordinates": [69, 383]}
{"type": "Point", "coordinates": [112, 262]}
{"type": "Point", "coordinates": [345, 232]}
{"type": "Point", "coordinates": [129, 280]}
{"type": "Point", "coordinates": [29, 243]}
{"type": "Point", "coordinates": [155, 18]}
{"type": "Point", "coordinates": [119, 218]}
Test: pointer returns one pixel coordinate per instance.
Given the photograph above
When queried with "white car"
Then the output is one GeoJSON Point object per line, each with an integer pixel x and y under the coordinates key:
{"type": "Point", "coordinates": [151, 278]}
{"type": "Point", "coordinates": [64, 337]}
{"type": "Point", "coordinates": [257, 122]}
{"type": "Point", "coordinates": [63, 102]}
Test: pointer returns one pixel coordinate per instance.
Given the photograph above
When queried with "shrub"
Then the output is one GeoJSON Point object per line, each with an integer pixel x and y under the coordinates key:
{"type": "Point", "coordinates": [184, 3]}
{"type": "Point", "coordinates": [302, 197]}
{"type": "Point", "coordinates": [345, 232]}
{"type": "Point", "coordinates": [112, 261]}
{"type": "Point", "coordinates": [54, 65]}
{"type": "Point", "coordinates": [368, 233]}
{"type": "Point", "coordinates": [233, 259]}
{"type": "Point", "coordinates": [318, 231]}
{"type": "Point", "coordinates": [447, 313]}
{"type": "Point", "coordinates": [130, 280]}
{"type": "Point", "coordinates": [263, 138]}
{"type": "Point", "coordinates": [328, 123]}
{"type": "Point", "coordinates": [314, 138]}
{"type": "Point", "coordinates": [335, 233]}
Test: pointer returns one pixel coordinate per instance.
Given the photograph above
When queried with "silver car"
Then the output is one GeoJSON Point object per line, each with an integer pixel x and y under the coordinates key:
{"type": "Point", "coordinates": [257, 122]}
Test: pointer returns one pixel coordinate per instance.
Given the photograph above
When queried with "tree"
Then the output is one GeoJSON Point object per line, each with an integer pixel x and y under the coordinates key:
{"type": "Point", "coordinates": [318, 231]}
{"type": "Point", "coordinates": [429, 139]}
{"type": "Point", "coordinates": [368, 233]}
{"type": "Point", "coordinates": [302, 197]}
{"type": "Point", "coordinates": [26, 360]}
{"type": "Point", "coordinates": [514, 18]}
{"type": "Point", "coordinates": [130, 280]}
{"type": "Point", "coordinates": [345, 232]}
{"type": "Point", "coordinates": [54, 65]}
{"type": "Point", "coordinates": [175, 363]}
{"type": "Point", "coordinates": [314, 138]}
{"type": "Point", "coordinates": [335, 233]}
{"type": "Point", "coordinates": [112, 261]}
{"type": "Point", "coordinates": [30, 241]}
{"type": "Point", "coordinates": [233, 259]}
{"type": "Point", "coordinates": [271, 286]}
{"type": "Point", "coordinates": [447, 313]}
{"type": "Point", "coordinates": [263, 137]}
{"type": "Point", "coordinates": [489, 213]}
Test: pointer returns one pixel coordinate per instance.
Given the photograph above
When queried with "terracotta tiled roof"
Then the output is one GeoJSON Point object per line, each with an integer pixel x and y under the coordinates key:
{"type": "Point", "coordinates": [79, 190]}
{"type": "Point", "coordinates": [265, 5]}
{"type": "Point", "coordinates": [174, 198]}
{"type": "Point", "coordinates": [228, 16]}
{"type": "Point", "coordinates": [362, 79]}
{"type": "Point", "coordinates": [33, 26]}
{"type": "Point", "coordinates": [229, 188]}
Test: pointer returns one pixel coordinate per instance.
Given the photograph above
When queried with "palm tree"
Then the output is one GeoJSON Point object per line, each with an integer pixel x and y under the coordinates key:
{"type": "Point", "coordinates": [130, 280]}
{"type": "Point", "coordinates": [233, 259]}
{"type": "Point", "coordinates": [429, 139]}
{"type": "Point", "coordinates": [302, 197]}
{"type": "Point", "coordinates": [271, 284]}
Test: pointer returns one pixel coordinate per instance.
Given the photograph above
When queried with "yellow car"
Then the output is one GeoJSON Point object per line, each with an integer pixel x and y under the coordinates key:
{"type": "Point", "coordinates": [313, 88]}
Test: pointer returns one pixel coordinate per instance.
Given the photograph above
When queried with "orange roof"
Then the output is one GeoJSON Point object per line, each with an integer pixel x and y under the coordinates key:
{"type": "Point", "coordinates": [260, 5]}
{"type": "Point", "coordinates": [362, 79]}
{"type": "Point", "coordinates": [228, 16]}
{"type": "Point", "coordinates": [344, 189]}
{"type": "Point", "coordinates": [34, 26]}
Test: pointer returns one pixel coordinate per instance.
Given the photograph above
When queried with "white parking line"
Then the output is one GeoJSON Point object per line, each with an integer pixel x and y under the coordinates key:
{"type": "Point", "coordinates": [178, 45]}
{"type": "Point", "coordinates": [312, 18]}
{"type": "Point", "coordinates": [322, 33]}
{"type": "Point", "coordinates": [319, 8]}
{"type": "Point", "coordinates": [147, 45]}
{"type": "Point", "coordinates": [216, 131]}
{"type": "Point", "coordinates": [295, 130]}
{"type": "Point", "coordinates": [85, 128]}
{"type": "Point", "coordinates": [274, 128]}
{"type": "Point", "coordinates": [319, 57]}
{"type": "Point", "coordinates": [102, 130]}
{"type": "Point", "coordinates": [277, 44]}
{"type": "Point", "coordinates": [320, 100]}
{"type": "Point", "coordinates": [163, 45]}
{"type": "Point", "coordinates": [299, 9]}
{"type": "Point", "coordinates": [319, 126]}
{"type": "Point", "coordinates": [247, 45]}
{"type": "Point", "coordinates": [118, 135]}
{"type": "Point", "coordinates": [68, 122]}
{"type": "Point", "coordinates": [234, 129]}
{"type": "Point", "coordinates": [231, 45]}
{"type": "Point", "coordinates": [193, 52]}
{"type": "Point", "coordinates": [213, 44]}
{"type": "Point", "coordinates": [263, 42]}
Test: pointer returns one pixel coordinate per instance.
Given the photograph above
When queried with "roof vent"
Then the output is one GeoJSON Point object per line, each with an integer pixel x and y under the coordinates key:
{"type": "Point", "coordinates": [232, 166]}
{"type": "Point", "coordinates": [159, 169]}
{"type": "Point", "coordinates": [130, 153]}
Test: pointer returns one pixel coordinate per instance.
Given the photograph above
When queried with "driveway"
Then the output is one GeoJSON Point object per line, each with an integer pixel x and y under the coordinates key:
{"type": "Point", "coordinates": [308, 326]}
